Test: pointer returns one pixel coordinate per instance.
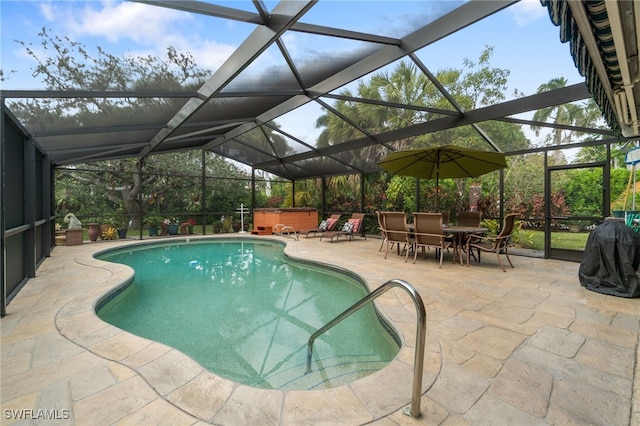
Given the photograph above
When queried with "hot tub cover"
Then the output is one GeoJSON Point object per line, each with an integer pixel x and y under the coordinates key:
{"type": "Point", "coordinates": [611, 259]}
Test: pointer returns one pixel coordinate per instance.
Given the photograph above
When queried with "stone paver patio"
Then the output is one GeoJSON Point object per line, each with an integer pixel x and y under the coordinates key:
{"type": "Point", "coordinates": [525, 347]}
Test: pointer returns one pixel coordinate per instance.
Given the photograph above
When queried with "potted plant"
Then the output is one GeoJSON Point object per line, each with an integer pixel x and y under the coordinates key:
{"type": "Point", "coordinates": [574, 226]}
{"type": "Point", "coordinates": [173, 226]}
{"type": "Point", "coordinates": [153, 223]}
{"type": "Point", "coordinates": [189, 225]}
{"type": "Point", "coordinates": [227, 224]}
{"type": "Point", "coordinates": [123, 226]}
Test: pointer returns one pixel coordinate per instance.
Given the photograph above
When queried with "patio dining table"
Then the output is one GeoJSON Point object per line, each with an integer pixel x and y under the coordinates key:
{"type": "Point", "coordinates": [460, 235]}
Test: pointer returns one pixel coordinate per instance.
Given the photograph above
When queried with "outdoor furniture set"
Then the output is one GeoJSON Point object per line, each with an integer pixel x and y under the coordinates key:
{"type": "Point", "coordinates": [428, 231]}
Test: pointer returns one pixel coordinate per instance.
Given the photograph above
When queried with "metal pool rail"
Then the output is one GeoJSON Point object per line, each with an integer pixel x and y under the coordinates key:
{"type": "Point", "coordinates": [420, 335]}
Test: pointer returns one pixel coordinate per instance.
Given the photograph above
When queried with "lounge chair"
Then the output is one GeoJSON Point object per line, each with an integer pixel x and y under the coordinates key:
{"type": "Point", "coordinates": [497, 244]}
{"type": "Point", "coordinates": [429, 233]}
{"type": "Point", "coordinates": [350, 229]}
{"type": "Point", "coordinates": [396, 232]}
{"type": "Point", "coordinates": [325, 225]}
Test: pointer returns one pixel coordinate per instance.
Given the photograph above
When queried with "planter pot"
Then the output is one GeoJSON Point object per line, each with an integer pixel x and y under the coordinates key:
{"type": "Point", "coordinates": [227, 226]}
{"type": "Point", "coordinates": [94, 231]}
{"type": "Point", "coordinates": [153, 231]}
{"type": "Point", "coordinates": [122, 233]}
{"type": "Point", "coordinates": [574, 228]}
{"type": "Point", "coordinates": [186, 229]}
{"type": "Point", "coordinates": [173, 229]}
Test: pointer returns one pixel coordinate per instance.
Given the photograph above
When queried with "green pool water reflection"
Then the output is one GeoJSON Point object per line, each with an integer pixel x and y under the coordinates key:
{"type": "Point", "coordinates": [245, 311]}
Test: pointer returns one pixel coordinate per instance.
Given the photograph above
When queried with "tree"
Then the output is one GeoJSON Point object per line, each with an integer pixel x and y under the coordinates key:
{"type": "Point", "coordinates": [586, 115]}
{"type": "Point", "coordinates": [64, 64]}
{"type": "Point", "coordinates": [403, 86]}
{"type": "Point", "coordinates": [596, 153]}
{"type": "Point", "coordinates": [169, 185]}
{"type": "Point", "coordinates": [477, 85]}
{"type": "Point", "coordinates": [116, 185]}
{"type": "Point", "coordinates": [583, 192]}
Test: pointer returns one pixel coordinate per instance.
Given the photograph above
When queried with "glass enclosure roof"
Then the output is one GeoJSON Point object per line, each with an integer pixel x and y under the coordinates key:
{"type": "Point", "coordinates": [266, 76]}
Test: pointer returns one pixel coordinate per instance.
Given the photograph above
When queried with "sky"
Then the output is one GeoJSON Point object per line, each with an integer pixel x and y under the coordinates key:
{"type": "Point", "coordinates": [523, 37]}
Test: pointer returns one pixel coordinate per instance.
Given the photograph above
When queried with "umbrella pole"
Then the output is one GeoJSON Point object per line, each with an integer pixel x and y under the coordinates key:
{"type": "Point", "coordinates": [438, 191]}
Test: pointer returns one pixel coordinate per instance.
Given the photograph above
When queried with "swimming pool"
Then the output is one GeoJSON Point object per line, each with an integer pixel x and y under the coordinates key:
{"type": "Point", "coordinates": [245, 311]}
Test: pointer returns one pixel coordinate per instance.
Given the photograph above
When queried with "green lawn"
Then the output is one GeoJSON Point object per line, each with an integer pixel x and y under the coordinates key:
{"type": "Point", "coordinates": [565, 240]}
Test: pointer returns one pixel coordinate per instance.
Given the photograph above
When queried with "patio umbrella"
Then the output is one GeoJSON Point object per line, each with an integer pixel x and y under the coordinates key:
{"type": "Point", "coordinates": [448, 161]}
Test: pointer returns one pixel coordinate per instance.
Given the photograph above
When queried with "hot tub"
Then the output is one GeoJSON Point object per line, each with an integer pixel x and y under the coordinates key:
{"type": "Point", "coordinates": [298, 218]}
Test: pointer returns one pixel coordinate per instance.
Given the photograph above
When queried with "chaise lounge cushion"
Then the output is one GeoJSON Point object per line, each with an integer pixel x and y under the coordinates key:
{"type": "Point", "coordinates": [347, 227]}
{"type": "Point", "coordinates": [355, 227]}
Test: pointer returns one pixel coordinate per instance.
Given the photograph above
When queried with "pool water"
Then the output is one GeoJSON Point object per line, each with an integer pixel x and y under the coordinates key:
{"type": "Point", "coordinates": [245, 311]}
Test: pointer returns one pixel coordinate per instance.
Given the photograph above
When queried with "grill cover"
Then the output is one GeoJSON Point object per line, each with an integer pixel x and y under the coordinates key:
{"type": "Point", "coordinates": [611, 259]}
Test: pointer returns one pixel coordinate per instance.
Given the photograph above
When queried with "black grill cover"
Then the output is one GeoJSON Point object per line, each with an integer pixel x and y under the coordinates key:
{"type": "Point", "coordinates": [611, 259]}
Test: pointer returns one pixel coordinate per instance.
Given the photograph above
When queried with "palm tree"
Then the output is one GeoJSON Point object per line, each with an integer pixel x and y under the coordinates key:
{"type": "Point", "coordinates": [567, 114]}
{"type": "Point", "coordinates": [476, 86]}
{"type": "Point", "coordinates": [405, 85]}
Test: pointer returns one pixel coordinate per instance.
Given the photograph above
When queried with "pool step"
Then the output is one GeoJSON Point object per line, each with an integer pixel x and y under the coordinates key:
{"type": "Point", "coordinates": [328, 374]}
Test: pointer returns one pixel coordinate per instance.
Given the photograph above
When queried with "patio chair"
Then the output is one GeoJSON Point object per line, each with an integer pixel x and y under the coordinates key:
{"type": "Point", "coordinates": [396, 232]}
{"type": "Point", "coordinates": [470, 218]}
{"type": "Point", "coordinates": [350, 229]}
{"type": "Point", "coordinates": [497, 244]}
{"type": "Point", "coordinates": [445, 217]}
{"type": "Point", "coordinates": [429, 234]}
{"type": "Point", "coordinates": [380, 216]}
{"type": "Point", "coordinates": [325, 225]}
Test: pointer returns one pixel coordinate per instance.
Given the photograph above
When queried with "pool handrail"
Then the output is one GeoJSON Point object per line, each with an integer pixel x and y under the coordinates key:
{"type": "Point", "coordinates": [421, 322]}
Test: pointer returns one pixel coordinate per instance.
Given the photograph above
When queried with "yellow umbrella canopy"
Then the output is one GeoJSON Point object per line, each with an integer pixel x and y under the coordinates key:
{"type": "Point", "coordinates": [447, 161]}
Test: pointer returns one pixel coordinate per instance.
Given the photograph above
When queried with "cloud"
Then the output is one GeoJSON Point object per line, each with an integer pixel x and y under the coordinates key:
{"type": "Point", "coordinates": [47, 11]}
{"type": "Point", "coordinates": [527, 11]}
{"type": "Point", "coordinates": [114, 21]}
{"type": "Point", "coordinates": [117, 21]}
{"type": "Point", "coordinates": [210, 54]}
{"type": "Point", "coordinates": [135, 29]}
